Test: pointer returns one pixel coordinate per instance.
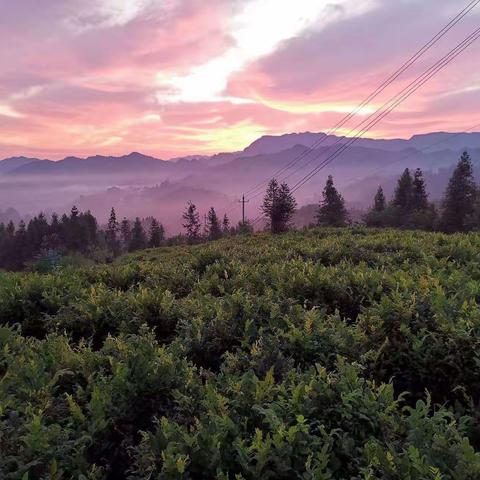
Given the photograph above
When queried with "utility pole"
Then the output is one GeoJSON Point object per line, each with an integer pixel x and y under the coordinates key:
{"type": "Point", "coordinates": [243, 202]}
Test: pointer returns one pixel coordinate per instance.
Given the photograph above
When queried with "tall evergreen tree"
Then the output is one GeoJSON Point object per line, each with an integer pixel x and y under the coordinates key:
{"type": "Point", "coordinates": [37, 231]}
{"type": "Point", "coordinates": [403, 193]}
{"type": "Point", "coordinates": [21, 245]}
{"type": "Point", "coordinates": [378, 214]}
{"type": "Point", "coordinates": [332, 211]}
{"type": "Point", "coordinates": [74, 213]}
{"type": "Point", "coordinates": [139, 239]}
{"type": "Point", "coordinates": [225, 225]}
{"type": "Point", "coordinates": [55, 224]}
{"type": "Point", "coordinates": [53, 241]}
{"type": "Point", "coordinates": [156, 234]}
{"type": "Point", "coordinates": [111, 234]}
{"type": "Point", "coordinates": [125, 234]}
{"type": "Point", "coordinates": [213, 224]}
{"type": "Point", "coordinates": [71, 231]}
{"type": "Point", "coordinates": [460, 196]}
{"type": "Point", "coordinates": [379, 201]}
{"type": "Point", "coordinates": [10, 230]}
{"type": "Point", "coordinates": [419, 199]}
{"type": "Point", "coordinates": [191, 223]}
{"type": "Point", "coordinates": [278, 206]}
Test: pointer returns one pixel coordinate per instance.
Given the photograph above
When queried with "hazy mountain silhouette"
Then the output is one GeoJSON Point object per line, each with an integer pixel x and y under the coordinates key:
{"type": "Point", "coordinates": [138, 163]}
{"type": "Point", "coordinates": [10, 164]}
{"type": "Point", "coordinates": [152, 186]}
{"type": "Point", "coordinates": [98, 164]}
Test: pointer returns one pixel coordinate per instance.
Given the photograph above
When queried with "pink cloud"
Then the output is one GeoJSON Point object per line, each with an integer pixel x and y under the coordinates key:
{"type": "Point", "coordinates": [79, 79]}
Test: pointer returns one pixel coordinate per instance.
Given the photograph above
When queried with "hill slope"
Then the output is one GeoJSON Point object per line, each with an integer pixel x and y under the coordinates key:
{"type": "Point", "coordinates": [252, 357]}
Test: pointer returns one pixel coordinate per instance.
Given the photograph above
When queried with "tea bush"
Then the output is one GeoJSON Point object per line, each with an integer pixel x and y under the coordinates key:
{"type": "Point", "coordinates": [325, 354]}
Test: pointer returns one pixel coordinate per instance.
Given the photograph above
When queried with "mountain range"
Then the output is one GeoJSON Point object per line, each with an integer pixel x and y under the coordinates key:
{"type": "Point", "coordinates": [139, 184]}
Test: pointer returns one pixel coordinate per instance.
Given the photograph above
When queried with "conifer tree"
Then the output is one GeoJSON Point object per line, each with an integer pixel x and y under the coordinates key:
{"type": "Point", "coordinates": [419, 199]}
{"type": "Point", "coordinates": [460, 196]}
{"type": "Point", "coordinates": [213, 225]}
{"type": "Point", "coordinates": [225, 225]}
{"type": "Point", "coordinates": [332, 211]}
{"type": "Point", "coordinates": [244, 228]}
{"type": "Point", "coordinates": [54, 224]}
{"type": "Point", "coordinates": [111, 234]}
{"type": "Point", "coordinates": [74, 213]}
{"type": "Point", "coordinates": [378, 214]}
{"type": "Point", "coordinates": [191, 223]}
{"type": "Point", "coordinates": [125, 233]}
{"type": "Point", "coordinates": [278, 206]}
{"type": "Point", "coordinates": [20, 245]}
{"type": "Point", "coordinates": [403, 193]}
{"type": "Point", "coordinates": [379, 201]}
{"type": "Point", "coordinates": [72, 234]}
{"type": "Point", "coordinates": [10, 230]}
{"type": "Point", "coordinates": [156, 234]}
{"type": "Point", "coordinates": [89, 230]}
{"type": "Point", "coordinates": [139, 239]}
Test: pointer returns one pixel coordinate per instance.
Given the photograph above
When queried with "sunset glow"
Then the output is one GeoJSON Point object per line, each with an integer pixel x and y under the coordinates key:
{"type": "Point", "coordinates": [180, 77]}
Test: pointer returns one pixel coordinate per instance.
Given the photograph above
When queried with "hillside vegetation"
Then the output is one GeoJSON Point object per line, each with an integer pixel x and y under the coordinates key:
{"type": "Point", "coordinates": [327, 354]}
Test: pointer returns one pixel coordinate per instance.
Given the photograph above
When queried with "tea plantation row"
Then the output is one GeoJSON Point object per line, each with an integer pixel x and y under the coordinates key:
{"type": "Point", "coordinates": [348, 354]}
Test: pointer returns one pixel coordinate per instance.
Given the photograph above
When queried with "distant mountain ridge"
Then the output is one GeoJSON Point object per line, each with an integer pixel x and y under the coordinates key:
{"type": "Point", "coordinates": [268, 144]}
{"type": "Point", "coordinates": [439, 140]}
{"type": "Point", "coordinates": [95, 164]}
{"type": "Point", "coordinates": [10, 164]}
{"type": "Point", "coordinates": [144, 185]}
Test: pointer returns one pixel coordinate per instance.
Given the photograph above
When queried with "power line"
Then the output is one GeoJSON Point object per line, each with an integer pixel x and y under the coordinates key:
{"type": "Point", "coordinates": [397, 100]}
{"type": "Point", "coordinates": [411, 154]}
{"type": "Point", "coordinates": [425, 48]}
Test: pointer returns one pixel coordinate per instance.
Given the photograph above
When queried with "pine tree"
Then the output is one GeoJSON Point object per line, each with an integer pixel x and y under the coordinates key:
{"type": "Point", "coordinates": [214, 230]}
{"type": "Point", "coordinates": [72, 231]}
{"type": "Point", "coordinates": [10, 230]}
{"type": "Point", "coordinates": [403, 193]}
{"type": "Point", "coordinates": [139, 239]}
{"type": "Point", "coordinates": [191, 223]}
{"type": "Point", "coordinates": [332, 211]}
{"type": "Point", "coordinates": [90, 231]}
{"type": "Point", "coordinates": [156, 235]}
{"type": "Point", "coordinates": [20, 245]}
{"type": "Point", "coordinates": [111, 234]}
{"type": "Point", "coordinates": [125, 234]}
{"type": "Point", "coordinates": [460, 196]}
{"type": "Point", "coordinates": [378, 214]}
{"type": "Point", "coordinates": [74, 213]}
{"type": "Point", "coordinates": [379, 201]}
{"type": "Point", "coordinates": [419, 199]}
{"type": "Point", "coordinates": [225, 226]}
{"type": "Point", "coordinates": [55, 224]}
{"type": "Point", "coordinates": [244, 228]}
{"type": "Point", "coordinates": [278, 206]}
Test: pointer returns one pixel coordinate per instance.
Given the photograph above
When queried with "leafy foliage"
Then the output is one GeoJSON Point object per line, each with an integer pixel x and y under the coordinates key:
{"type": "Point", "coordinates": [326, 354]}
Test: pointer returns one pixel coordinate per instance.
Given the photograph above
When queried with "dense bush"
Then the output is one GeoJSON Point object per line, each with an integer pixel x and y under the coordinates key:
{"type": "Point", "coordinates": [327, 354]}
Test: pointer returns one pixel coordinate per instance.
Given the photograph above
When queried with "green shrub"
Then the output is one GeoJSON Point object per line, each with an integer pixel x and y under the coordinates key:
{"type": "Point", "coordinates": [326, 354]}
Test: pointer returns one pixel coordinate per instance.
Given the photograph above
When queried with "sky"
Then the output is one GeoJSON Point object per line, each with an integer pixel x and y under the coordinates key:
{"type": "Point", "coordinates": [172, 78]}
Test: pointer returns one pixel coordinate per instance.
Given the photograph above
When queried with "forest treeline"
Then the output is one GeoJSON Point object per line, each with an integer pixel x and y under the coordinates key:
{"type": "Point", "coordinates": [44, 243]}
